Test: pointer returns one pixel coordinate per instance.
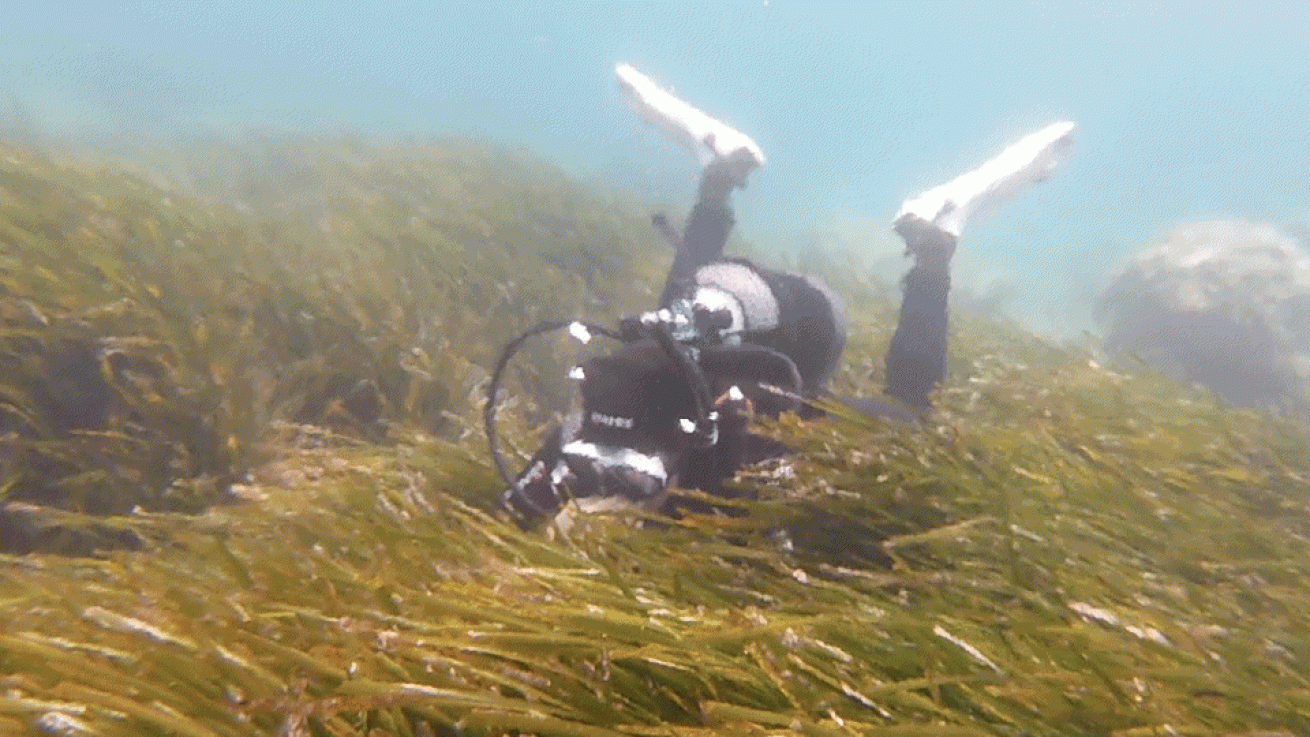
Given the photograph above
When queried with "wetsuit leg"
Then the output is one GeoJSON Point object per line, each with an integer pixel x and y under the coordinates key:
{"type": "Point", "coordinates": [706, 233]}
{"type": "Point", "coordinates": [916, 359]}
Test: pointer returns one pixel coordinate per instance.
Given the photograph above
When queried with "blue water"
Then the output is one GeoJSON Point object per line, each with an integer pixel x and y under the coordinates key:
{"type": "Point", "coordinates": [1186, 110]}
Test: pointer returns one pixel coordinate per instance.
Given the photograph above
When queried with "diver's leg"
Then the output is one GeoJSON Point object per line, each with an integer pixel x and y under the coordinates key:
{"type": "Point", "coordinates": [726, 156]}
{"type": "Point", "coordinates": [706, 233]}
{"type": "Point", "coordinates": [931, 223]}
{"type": "Point", "coordinates": [916, 359]}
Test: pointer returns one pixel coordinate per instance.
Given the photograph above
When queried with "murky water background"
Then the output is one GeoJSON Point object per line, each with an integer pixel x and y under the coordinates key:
{"type": "Point", "coordinates": [1186, 110]}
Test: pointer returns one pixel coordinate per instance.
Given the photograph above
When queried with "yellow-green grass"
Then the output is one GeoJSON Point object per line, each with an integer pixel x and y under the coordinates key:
{"type": "Point", "coordinates": [1067, 547]}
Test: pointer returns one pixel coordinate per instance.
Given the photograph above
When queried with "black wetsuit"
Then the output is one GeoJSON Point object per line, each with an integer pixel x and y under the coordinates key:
{"type": "Point", "coordinates": [630, 437]}
{"type": "Point", "coordinates": [916, 358]}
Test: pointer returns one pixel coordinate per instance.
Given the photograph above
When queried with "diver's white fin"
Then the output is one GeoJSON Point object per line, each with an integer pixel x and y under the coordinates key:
{"type": "Point", "coordinates": [949, 207]}
{"type": "Point", "coordinates": [709, 140]}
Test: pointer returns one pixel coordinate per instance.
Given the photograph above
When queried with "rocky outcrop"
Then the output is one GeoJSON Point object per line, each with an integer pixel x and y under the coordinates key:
{"type": "Point", "coordinates": [1223, 303]}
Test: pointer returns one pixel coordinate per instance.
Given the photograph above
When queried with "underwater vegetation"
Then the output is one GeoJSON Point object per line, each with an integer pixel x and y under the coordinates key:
{"type": "Point", "coordinates": [246, 381]}
{"type": "Point", "coordinates": [151, 333]}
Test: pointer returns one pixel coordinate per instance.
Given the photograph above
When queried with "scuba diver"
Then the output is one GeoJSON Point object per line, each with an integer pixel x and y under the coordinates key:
{"type": "Point", "coordinates": [672, 404]}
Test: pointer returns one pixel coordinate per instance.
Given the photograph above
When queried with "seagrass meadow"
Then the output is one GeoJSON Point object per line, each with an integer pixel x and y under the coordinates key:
{"type": "Point", "coordinates": [244, 492]}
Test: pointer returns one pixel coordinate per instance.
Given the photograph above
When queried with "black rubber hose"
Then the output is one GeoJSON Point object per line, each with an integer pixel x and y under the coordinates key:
{"type": "Point", "coordinates": [489, 411]}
